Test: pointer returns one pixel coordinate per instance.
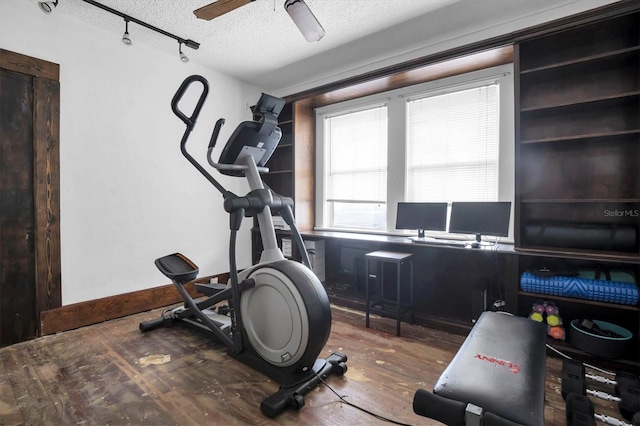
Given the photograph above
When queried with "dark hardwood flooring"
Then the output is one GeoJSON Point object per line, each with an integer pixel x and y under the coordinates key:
{"type": "Point", "coordinates": [110, 373]}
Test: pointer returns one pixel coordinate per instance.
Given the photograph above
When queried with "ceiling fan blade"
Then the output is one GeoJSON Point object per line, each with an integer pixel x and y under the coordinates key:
{"type": "Point", "coordinates": [219, 8]}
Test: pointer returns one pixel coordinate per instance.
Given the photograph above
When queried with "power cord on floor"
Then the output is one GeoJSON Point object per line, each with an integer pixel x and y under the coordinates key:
{"type": "Point", "coordinates": [593, 367]}
{"type": "Point", "coordinates": [371, 413]}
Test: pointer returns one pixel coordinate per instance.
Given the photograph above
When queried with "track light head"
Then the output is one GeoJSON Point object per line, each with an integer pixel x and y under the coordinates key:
{"type": "Point", "coordinates": [47, 6]}
{"type": "Point", "coordinates": [183, 57]}
{"type": "Point", "coordinates": [192, 44]}
{"type": "Point", "coordinates": [125, 37]}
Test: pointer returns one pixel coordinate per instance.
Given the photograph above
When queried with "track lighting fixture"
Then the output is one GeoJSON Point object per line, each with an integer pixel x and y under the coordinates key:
{"type": "Point", "coordinates": [304, 19]}
{"type": "Point", "coordinates": [183, 57]}
{"type": "Point", "coordinates": [47, 6]}
{"type": "Point", "coordinates": [125, 37]}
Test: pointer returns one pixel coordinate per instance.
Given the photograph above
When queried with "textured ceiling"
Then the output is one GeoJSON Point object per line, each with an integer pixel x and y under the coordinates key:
{"type": "Point", "coordinates": [260, 44]}
{"type": "Point", "coordinates": [253, 39]}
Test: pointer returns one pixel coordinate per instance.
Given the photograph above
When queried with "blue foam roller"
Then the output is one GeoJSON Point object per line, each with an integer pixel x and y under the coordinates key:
{"type": "Point", "coordinates": [623, 293]}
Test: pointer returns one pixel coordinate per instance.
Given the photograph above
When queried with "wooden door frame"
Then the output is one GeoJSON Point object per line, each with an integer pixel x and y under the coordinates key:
{"type": "Point", "coordinates": [46, 179]}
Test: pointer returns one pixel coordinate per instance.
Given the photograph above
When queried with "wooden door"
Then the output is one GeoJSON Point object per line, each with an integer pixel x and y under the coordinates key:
{"type": "Point", "coordinates": [17, 252]}
{"type": "Point", "coordinates": [29, 194]}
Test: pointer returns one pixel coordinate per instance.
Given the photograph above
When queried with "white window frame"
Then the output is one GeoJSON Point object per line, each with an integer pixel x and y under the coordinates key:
{"type": "Point", "coordinates": [327, 213]}
{"type": "Point", "coordinates": [396, 156]}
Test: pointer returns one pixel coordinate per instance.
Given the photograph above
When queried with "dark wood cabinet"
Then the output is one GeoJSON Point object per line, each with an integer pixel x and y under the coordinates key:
{"type": "Point", "coordinates": [571, 308]}
{"type": "Point", "coordinates": [291, 166]}
{"type": "Point", "coordinates": [291, 170]}
{"type": "Point", "coordinates": [578, 135]}
{"type": "Point", "coordinates": [578, 159]}
{"type": "Point", "coordinates": [281, 164]}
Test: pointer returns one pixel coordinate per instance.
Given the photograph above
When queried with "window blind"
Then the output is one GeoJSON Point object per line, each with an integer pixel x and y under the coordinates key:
{"type": "Point", "coordinates": [356, 175]}
{"type": "Point", "coordinates": [452, 146]}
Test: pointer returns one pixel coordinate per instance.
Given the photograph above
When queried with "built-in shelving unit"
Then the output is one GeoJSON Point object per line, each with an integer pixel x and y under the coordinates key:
{"type": "Point", "coordinates": [578, 153]}
{"type": "Point", "coordinates": [280, 175]}
{"type": "Point", "coordinates": [578, 157]}
{"type": "Point", "coordinates": [291, 168]}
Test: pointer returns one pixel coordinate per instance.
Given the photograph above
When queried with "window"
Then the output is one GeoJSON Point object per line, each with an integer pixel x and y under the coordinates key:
{"type": "Point", "coordinates": [452, 146]}
{"type": "Point", "coordinates": [446, 140]}
{"type": "Point", "coordinates": [356, 168]}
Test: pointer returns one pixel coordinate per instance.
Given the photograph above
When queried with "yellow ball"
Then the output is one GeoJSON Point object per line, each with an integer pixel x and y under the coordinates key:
{"type": "Point", "coordinates": [553, 320]}
{"type": "Point", "coordinates": [536, 316]}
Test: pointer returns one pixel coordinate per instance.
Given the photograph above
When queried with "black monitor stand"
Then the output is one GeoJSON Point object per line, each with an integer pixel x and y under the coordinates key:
{"type": "Point", "coordinates": [478, 243]}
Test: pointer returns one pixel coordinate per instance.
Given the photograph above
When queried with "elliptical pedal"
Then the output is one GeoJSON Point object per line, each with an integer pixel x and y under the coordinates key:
{"type": "Point", "coordinates": [223, 321]}
{"type": "Point", "coordinates": [177, 267]}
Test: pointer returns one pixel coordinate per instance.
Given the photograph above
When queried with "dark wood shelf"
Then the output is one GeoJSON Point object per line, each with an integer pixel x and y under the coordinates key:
{"type": "Point", "coordinates": [580, 301]}
{"type": "Point", "coordinates": [590, 102]}
{"type": "Point", "coordinates": [589, 39]}
{"type": "Point", "coordinates": [583, 137]}
{"type": "Point", "coordinates": [578, 254]}
{"type": "Point", "coordinates": [585, 61]}
{"type": "Point", "coordinates": [601, 121]}
{"type": "Point", "coordinates": [583, 201]}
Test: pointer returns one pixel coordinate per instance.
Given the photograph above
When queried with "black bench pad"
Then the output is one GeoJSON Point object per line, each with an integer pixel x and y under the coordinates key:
{"type": "Point", "coordinates": [500, 367]}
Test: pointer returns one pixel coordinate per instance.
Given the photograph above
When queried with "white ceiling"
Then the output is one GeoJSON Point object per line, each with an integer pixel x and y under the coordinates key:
{"type": "Point", "coordinates": [260, 44]}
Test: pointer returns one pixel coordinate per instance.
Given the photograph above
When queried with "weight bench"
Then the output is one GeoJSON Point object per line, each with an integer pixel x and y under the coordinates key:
{"type": "Point", "coordinates": [496, 378]}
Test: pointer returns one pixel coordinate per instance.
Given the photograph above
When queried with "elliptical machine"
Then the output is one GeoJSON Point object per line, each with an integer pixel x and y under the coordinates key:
{"type": "Point", "coordinates": [277, 318]}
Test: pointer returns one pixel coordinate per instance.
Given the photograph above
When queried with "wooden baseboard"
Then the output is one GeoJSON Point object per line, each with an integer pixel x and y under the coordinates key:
{"type": "Point", "coordinates": [98, 310]}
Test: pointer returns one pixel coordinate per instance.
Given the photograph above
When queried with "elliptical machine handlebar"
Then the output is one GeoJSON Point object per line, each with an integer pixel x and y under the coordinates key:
{"type": "Point", "coordinates": [190, 121]}
{"type": "Point", "coordinates": [214, 135]}
{"type": "Point", "coordinates": [212, 144]}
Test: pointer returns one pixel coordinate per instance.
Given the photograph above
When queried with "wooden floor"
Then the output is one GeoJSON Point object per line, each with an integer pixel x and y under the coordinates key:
{"type": "Point", "coordinates": [112, 374]}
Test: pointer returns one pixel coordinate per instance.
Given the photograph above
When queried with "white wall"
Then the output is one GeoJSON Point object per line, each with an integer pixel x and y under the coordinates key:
{"type": "Point", "coordinates": [127, 195]}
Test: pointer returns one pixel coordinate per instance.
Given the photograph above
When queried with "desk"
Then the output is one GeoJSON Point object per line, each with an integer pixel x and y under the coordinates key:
{"type": "Point", "coordinates": [449, 281]}
{"type": "Point", "coordinates": [383, 257]}
{"type": "Point", "coordinates": [446, 279]}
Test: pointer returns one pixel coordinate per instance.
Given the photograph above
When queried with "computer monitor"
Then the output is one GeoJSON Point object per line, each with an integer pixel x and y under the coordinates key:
{"type": "Point", "coordinates": [421, 217]}
{"type": "Point", "coordinates": [480, 218]}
